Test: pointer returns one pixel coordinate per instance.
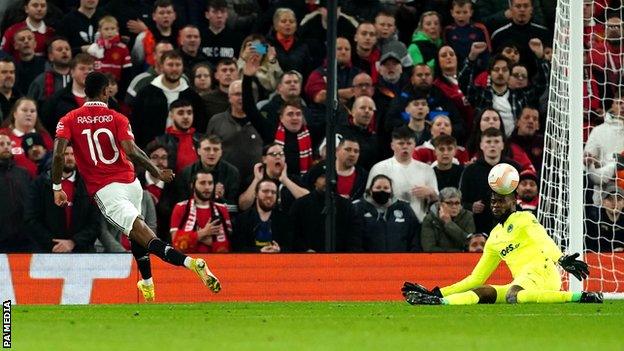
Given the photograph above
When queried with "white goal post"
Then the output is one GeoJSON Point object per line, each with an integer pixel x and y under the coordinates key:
{"type": "Point", "coordinates": [562, 187]}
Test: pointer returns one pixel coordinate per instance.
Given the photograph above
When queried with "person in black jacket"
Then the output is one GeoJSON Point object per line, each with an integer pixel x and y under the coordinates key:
{"type": "Point", "coordinates": [388, 224]}
{"type": "Point", "coordinates": [62, 229]}
{"type": "Point", "coordinates": [15, 181]}
{"type": "Point", "coordinates": [308, 215]}
{"type": "Point", "coordinates": [292, 53]}
{"type": "Point", "coordinates": [474, 184]}
{"type": "Point", "coordinates": [80, 25]}
{"type": "Point", "coordinates": [226, 176]}
{"type": "Point", "coordinates": [151, 105]}
{"type": "Point", "coordinates": [263, 227]}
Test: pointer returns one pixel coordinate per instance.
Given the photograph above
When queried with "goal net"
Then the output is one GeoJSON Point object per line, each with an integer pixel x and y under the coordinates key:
{"type": "Point", "coordinates": [579, 201]}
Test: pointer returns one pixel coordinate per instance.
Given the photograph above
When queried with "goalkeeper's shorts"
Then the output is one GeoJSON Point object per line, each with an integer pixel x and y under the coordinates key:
{"type": "Point", "coordinates": [544, 277]}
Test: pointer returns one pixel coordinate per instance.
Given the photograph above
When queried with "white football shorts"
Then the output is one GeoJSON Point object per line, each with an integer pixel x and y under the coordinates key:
{"type": "Point", "coordinates": [120, 203]}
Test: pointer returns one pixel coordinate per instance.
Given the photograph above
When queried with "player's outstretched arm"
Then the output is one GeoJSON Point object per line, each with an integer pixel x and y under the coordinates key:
{"type": "Point", "coordinates": [137, 156]}
{"type": "Point", "coordinates": [577, 268]}
{"type": "Point", "coordinates": [58, 159]}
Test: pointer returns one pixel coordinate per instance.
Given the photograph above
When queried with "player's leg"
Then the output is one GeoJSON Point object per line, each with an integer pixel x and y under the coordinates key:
{"type": "Point", "coordinates": [483, 294]}
{"type": "Point", "coordinates": [145, 285]}
{"type": "Point", "coordinates": [543, 285]}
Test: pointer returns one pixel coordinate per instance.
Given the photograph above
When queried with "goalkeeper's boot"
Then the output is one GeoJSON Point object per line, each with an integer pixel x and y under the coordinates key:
{"type": "Point", "coordinates": [417, 298]}
{"type": "Point", "coordinates": [147, 290]}
{"type": "Point", "coordinates": [591, 297]}
{"type": "Point", "coordinates": [200, 268]}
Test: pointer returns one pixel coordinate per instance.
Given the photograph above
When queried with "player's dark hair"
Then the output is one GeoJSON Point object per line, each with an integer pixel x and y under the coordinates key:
{"type": "Point", "coordinates": [95, 84]}
{"type": "Point", "coordinates": [179, 103]}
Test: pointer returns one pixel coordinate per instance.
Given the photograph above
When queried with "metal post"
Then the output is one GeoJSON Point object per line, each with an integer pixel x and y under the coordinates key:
{"type": "Point", "coordinates": [331, 104]}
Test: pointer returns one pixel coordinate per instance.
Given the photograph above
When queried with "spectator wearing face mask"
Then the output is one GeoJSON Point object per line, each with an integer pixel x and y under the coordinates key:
{"type": "Point", "coordinates": [388, 224]}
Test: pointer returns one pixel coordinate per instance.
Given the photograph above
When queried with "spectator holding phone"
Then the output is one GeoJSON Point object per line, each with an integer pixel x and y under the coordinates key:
{"type": "Point", "coordinates": [200, 224]}
{"type": "Point", "coordinates": [268, 75]}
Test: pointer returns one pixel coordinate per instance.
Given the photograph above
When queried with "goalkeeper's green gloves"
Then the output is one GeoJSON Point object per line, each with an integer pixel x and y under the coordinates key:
{"type": "Point", "coordinates": [577, 268]}
{"type": "Point", "coordinates": [409, 286]}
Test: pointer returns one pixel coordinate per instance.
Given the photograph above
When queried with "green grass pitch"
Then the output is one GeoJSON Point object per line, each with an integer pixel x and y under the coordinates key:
{"type": "Point", "coordinates": [318, 326]}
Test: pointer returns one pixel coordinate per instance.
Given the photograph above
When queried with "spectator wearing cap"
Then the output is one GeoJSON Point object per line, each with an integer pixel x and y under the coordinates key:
{"type": "Point", "coordinates": [416, 114]}
{"type": "Point", "coordinates": [447, 225]}
{"type": "Point", "coordinates": [264, 227]}
{"type": "Point", "coordinates": [72, 228]}
{"type": "Point", "coordinates": [605, 223]}
{"type": "Point", "coordinates": [308, 216]}
{"type": "Point", "coordinates": [388, 224]}
{"type": "Point", "coordinates": [28, 65]}
{"type": "Point", "coordinates": [15, 183]}
{"type": "Point", "coordinates": [180, 139]}
{"type": "Point", "coordinates": [35, 150]}
{"type": "Point", "coordinates": [313, 30]}
{"type": "Point", "coordinates": [22, 120]}
{"type": "Point", "coordinates": [235, 129]}
{"type": "Point", "coordinates": [8, 92]}
{"type": "Point", "coordinates": [366, 53]}
{"type": "Point", "coordinates": [350, 178]}
{"type": "Point", "coordinates": [527, 193]}
{"type": "Point", "coordinates": [219, 40]}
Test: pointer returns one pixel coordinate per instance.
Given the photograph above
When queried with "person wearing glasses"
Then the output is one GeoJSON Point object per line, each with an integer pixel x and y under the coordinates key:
{"type": "Point", "coordinates": [447, 226]}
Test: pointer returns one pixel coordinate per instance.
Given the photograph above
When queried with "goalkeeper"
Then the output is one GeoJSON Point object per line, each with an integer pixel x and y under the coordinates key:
{"type": "Point", "coordinates": [531, 255]}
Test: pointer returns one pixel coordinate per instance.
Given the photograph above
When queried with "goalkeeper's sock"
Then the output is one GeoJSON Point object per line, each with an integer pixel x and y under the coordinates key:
{"type": "Point", "coordinates": [465, 298]}
{"type": "Point", "coordinates": [544, 296]}
{"type": "Point", "coordinates": [166, 252]}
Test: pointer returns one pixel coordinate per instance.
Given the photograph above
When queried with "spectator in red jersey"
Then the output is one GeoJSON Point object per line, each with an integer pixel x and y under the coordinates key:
{"type": "Point", "coordinates": [180, 138]}
{"type": "Point", "coordinates": [161, 193]}
{"type": "Point", "coordinates": [527, 193]}
{"type": "Point", "coordinates": [70, 97]}
{"type": "Point", "coordinates": [15, 182]}
{"type": "Point", "coordinates": [23, 119]}
{"type": "Point", "coordinates": [351, 179]}
{"type": "Point", "coordinates": [110, 54]}
{"type": "Point", "coordinates": [606, 55]}
{"type": "Point", "coordinates": [527, 135]}
{"type": "Point", "coordinates": [72, 228]}
{"type": "Point", "coordinates": [35, 12]}
{"type": "Point", "coordinates": [57, 75]}
{"type": "Point", "coordinates": [200, 224]}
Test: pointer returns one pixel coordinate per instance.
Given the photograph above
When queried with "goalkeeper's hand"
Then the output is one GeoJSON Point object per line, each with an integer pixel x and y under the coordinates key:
{"type": "Point", "coordinates": [573, 266]}
{"type": "Point", "coordinates": [409, 286]}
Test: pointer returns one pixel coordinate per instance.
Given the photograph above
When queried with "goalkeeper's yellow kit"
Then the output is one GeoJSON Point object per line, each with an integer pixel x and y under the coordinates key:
{"type": "Point", "coordinates": [528, 251]}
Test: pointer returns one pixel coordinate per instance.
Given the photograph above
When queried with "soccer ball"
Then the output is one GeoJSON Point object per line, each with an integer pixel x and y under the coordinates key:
{"type": "Point", "coordinates": [503, 178]}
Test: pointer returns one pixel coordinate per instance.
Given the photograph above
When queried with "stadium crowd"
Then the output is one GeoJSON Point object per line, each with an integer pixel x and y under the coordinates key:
{"type": "Point", "coordinates": [231, 96]}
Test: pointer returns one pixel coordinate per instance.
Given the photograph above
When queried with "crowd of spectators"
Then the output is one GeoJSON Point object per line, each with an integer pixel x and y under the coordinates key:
{"type": "Point", "coordinates": [231, 96]}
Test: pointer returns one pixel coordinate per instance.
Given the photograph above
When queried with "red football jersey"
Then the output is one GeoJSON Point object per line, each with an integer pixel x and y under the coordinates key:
{"type": "Point", "coordinates": [96, 132]}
